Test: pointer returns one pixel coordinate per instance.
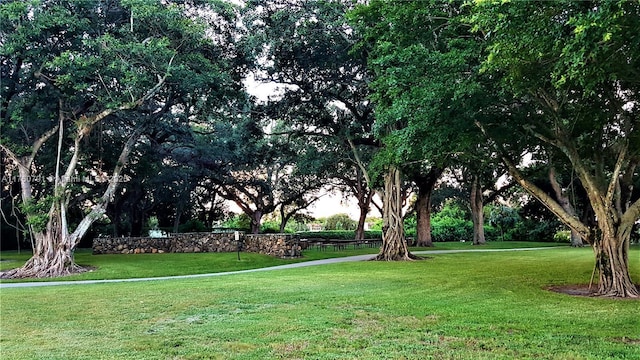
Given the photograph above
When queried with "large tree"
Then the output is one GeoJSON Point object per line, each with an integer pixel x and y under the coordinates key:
{"type": "Point", "coordinates": [71, 67]}
{"type": "Point", "coordinates": [307, 47]}
{"type": "Point", "coordinates": [572, 71]}
{"type": "Point", "coordinates": [261, 168]}
{"type": "Point", "coordinates": [417, 51]}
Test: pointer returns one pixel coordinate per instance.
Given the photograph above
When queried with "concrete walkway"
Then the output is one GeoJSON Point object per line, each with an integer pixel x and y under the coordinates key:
{"type": "Point", "coordinates": [279, 267]}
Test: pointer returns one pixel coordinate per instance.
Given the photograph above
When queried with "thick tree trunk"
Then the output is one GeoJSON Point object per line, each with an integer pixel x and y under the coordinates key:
{"type": "Point", "coordinates": [563, 200]}
{"type": "Point", "coordinates": [364, 204]}
{"type": "Point", "coordinates": [394, 244]}
{"type": "Point", "coordinates": [612, 205]}
{"type": "Point", "coordinates": [423, 217]}
{"type": "Point", "coordinates": [612, 261]}
{"type": "Point", "coordinates": [51, 260]}
{"type": "Point", "coordinates": [54, 246]}
{"type": "Point", "coordinates": [256, 220]}
{"type": "Point", "coordinates": [576, 239]}
{"type": "Point", "coordinates": [362, 219]}
{"type": "Point", "coordinates": [284, 218]}
{"type": "Point", "coordinates": [53, 251]}
{"type": "Point", "coordinates": [425, 183]}
{"type": "Point", "coordinates": [477, 215]}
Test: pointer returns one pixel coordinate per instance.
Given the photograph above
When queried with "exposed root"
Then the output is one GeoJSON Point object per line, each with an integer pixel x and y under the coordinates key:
{"type": "Point", "coordinates": [586, 291]}
{"type": "Point", "coordinates": [406, 257]}
{"type": "Point", "coordinates": [629, 294]}
{"type": "Point", "coordinates": [28, 271]}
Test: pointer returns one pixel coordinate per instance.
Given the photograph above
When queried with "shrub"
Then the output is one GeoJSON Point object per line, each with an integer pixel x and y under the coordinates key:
{"type": "Point", "coordinates": [375, 223]}
{"type": "Point", "coordinates": [451, 229]}
{"type": "Point", "coordinates": [562, 236]}
{"type": "Point", "coordinates": [534, 230]}
{"type": "Point", "coordinates": [193, 225]}
{"type": "Point", "coordinates": [491, 233]}
{"type": "Point", "coordinates": [340, 222]}
{"type": "Point", "coordinates": [451, 224]}
{"type": "Point", "coordinates": [270, 227]}
{"type": "Point", "coordinates": [240, 222]}
{"type": "Point", "coordinates": [505, 219]}
{"type": "Point", "coordinates": [410, 225]}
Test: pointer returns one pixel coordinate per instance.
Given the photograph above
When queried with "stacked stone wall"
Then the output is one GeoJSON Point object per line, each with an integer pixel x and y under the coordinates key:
{"type": "Point", "coordinates": [278, 245]}
{"type": "Point", "coordinates": [203, 242]}
{"type": "Point", "coordinates": [131, 245]}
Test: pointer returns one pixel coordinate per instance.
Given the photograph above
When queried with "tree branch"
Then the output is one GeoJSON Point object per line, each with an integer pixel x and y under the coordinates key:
{"type": "Point", "coordinates": [359, 162]}
{"type": "Point", "coordinates": [614, 184]}
{"type": "Point", "coordinates": [538, 193]}
{"type": "Point", "coordinates": [100, 208]}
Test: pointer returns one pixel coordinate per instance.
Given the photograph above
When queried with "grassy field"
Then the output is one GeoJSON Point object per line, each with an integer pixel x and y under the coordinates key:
{"type": "Point", "coordinates": [156, 265]}
{"type": "Point", "coordinates": [451, 306]}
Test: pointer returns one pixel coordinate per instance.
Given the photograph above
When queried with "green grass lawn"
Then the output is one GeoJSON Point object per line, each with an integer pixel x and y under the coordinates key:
{"type": "Point", "coordinates": [452, 306]}
{"type": "Point", "coordinates": [155, 265]}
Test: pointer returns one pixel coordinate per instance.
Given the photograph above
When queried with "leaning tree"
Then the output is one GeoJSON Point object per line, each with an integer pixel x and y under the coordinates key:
{"type": "Point", "coordinates": [70, 68]}
{"type": "Point", "coordinates": [570, 72]}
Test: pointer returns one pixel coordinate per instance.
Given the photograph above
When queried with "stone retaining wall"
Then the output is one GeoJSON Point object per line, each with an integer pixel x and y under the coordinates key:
{"type": "Point", "coordinates": [279, 245]}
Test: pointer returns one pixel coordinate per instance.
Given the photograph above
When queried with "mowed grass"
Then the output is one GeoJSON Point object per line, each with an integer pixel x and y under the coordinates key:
{"type": "Point", "coordinates": [157, 265]}
{"type": "Point", "coordinates": [451, 306]}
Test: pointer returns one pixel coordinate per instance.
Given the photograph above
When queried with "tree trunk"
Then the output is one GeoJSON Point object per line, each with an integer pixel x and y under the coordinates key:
{"type": "Point", "coordinates": [477, 214]}
{"type": "Point", "coordinates": [563, 200]}
{"type": "Point", "coordinates": [425, 183]}
{"type": "Point", "coordinates": [612, 261]}
{"type": "Point", "coordinates": [394, 244]}
{"type": "Point", "coordinates": [362, 219]}
{"type": "Point", "coordinates": [423, 217]}
{"type": "Point", "coordinates": [576, 239]}
{"type": "Point", "coordinates": [176, 220]}
{"type": "Point", "coordinates": [364, 204]}
{"type": "Point", "coordinates": [54, 245]}
{"type": "Point", "coordinates": [284, 219]}
{"type": "Point", "coordinates": [53, 251]}
{"type": "Point", "coordinates": [614, 212]}
{"type": "Point", "coordinates": [256, 219]}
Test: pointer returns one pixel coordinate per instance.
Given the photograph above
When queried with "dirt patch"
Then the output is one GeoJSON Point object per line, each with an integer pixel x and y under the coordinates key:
{"type": "Point", "coordinates": [626, 340]}
{"type": "Point", "coordinates": [584, 291]}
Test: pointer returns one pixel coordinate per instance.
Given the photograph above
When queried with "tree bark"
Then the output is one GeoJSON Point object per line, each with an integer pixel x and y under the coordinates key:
{"type": "Point", "coordinates": [284, 219]}
{"type": "Point", "coordinates": [423, 217]}
{"type": "Point", "coordinates": [612, 261]}
{"type": "Point", "coordinates": [256, 220]}
{"type": "Point", "coordinates": [477, 215]}
{"type": "Point", "coordinates": [425, 183]}
{"type": "Point", "coordinates": [563, 200]}
{"type": "Point", "coordinates": [394, 245]}
{"type": "Point", "coordinates": [364, 204]}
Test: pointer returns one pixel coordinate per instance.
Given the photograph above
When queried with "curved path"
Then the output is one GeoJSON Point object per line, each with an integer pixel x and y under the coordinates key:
{"type": "Point", "coordinates": [279, 267]}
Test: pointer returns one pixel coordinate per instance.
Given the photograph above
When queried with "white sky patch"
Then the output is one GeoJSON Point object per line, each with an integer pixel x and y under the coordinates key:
{"type": "Point", "coordinates": [265, 91]}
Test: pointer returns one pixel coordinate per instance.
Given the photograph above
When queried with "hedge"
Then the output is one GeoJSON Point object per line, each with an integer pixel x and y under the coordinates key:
{"type": "Point", "coordinates": [338, 234]}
